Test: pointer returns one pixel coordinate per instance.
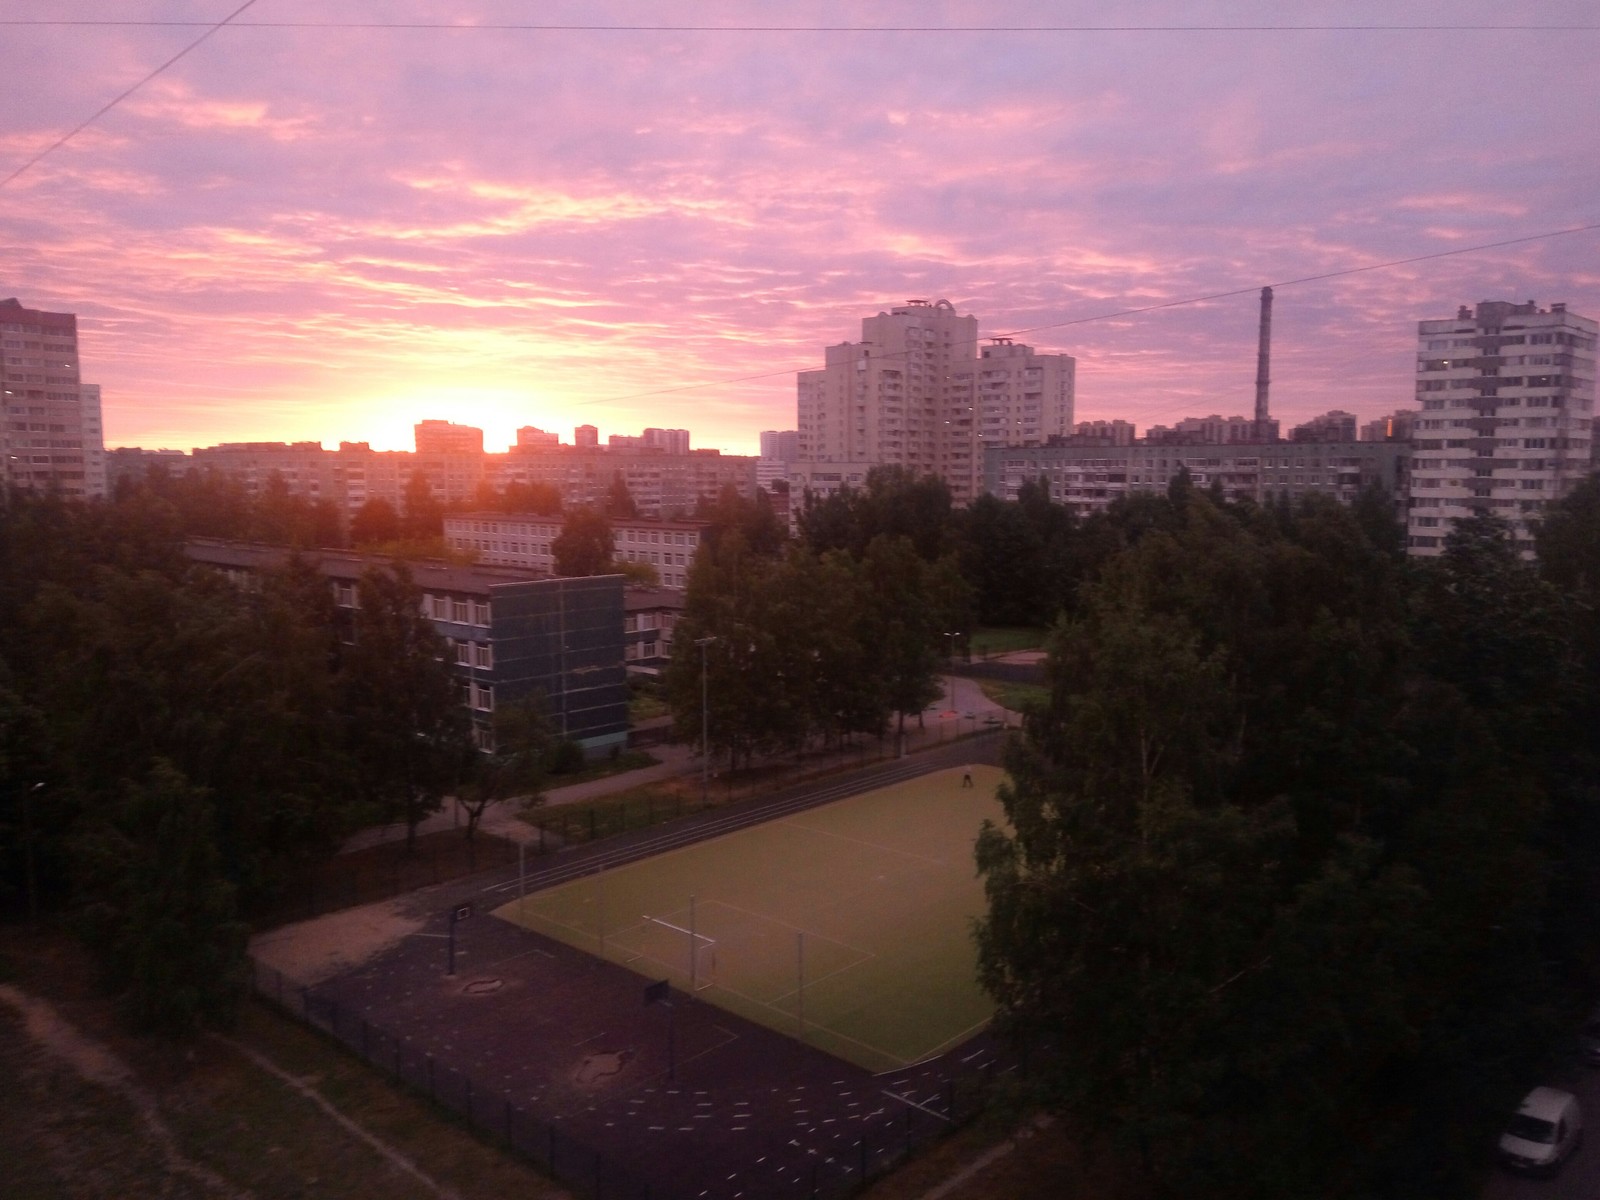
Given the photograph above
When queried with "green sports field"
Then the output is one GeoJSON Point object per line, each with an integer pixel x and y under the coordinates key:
{"type": "Point", "coordinates": [848, 924]}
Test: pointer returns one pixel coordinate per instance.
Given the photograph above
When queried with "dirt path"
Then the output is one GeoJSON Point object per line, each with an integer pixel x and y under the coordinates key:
{"type": "Point", "coordinates": [389, 1153]}
{"type": "Point", "coordinates": [99, 1065]}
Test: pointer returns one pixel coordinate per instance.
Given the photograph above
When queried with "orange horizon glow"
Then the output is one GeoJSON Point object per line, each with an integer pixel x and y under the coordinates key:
{"type": "Point", "coordinates": [330, 235]}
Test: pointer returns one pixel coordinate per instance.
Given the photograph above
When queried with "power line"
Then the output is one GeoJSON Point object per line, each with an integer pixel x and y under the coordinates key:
{"type": "Point", "coordinates": [536, 27]}
{"type": "Point", "coordinates": [1146, 308]}
{"type": "Point", "coordinates": [120, 97]}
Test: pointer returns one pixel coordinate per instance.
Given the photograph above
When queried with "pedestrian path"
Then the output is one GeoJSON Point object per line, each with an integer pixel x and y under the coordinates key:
{"type": "Point", "coordinates": [961, 709]}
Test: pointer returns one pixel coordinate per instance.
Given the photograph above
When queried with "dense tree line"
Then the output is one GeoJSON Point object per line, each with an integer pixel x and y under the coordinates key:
{"type": "Point", "coordinates": [821, 640]}
{"type": "Point", "coordinates": [175, 749]}
{"type": "Point", "coordinates": [1303, 859]}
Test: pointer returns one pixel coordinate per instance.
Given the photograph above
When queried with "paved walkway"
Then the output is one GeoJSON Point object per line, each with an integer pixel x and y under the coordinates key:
{"type": "Point", "coordinates": [961, 709]}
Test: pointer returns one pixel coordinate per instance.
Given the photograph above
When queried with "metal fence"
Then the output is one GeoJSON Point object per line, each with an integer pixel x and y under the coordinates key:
{"type": "Point", "coordinates": [948, 1100]}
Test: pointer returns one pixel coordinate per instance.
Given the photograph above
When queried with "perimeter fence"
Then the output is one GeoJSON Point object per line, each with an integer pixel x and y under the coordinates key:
{"type": "Point", "coordinates": [944, 1099]}
{"type": "Point", "coordinates": [563, 826]}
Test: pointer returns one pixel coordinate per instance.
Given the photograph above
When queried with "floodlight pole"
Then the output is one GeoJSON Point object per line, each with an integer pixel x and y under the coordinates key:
{"type": "Point", "coordinates": [800, 980]}
{"type": "Point", "coordinates": [705, 723]}
{"type": "Point", "coordinates": [949, 663]}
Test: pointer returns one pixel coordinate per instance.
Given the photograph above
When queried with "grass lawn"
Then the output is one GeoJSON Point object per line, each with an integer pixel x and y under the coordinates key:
{"type": "Point", "coordinates": [213, 1109]}
{"type": "Point", "coordinates": [1018, 697]}
{"type": "Point", "coordinates": [847, 924]}
{"type": "Point", "coordinates": [1003, 639]}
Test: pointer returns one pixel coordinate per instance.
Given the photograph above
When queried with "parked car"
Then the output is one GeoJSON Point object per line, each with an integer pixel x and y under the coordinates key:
{"type": "Point", "coordinates": [1544, 1133]}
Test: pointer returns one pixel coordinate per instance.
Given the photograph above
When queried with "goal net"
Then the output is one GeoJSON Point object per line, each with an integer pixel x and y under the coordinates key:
{"type": "Point", "coordinates": [696, 951]}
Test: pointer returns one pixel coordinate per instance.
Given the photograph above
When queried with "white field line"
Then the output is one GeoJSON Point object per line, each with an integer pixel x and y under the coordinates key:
{"type": "Point", "coordinates": [845, 837]}
{"type": "Point", "coordinates": [907, 1100]}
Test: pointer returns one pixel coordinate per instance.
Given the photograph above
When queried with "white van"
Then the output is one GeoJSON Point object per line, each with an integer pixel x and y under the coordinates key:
{"type": "Point", "coordinates": [1544, 1133]}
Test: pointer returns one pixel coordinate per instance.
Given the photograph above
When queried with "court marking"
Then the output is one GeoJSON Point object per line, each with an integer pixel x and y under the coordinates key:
{"type": "Point", "coordinates": [845, 837]}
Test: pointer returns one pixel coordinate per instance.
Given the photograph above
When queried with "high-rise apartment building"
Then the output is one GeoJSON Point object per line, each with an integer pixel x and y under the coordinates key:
{"type": "Point", "coordinates": [1506, 393]}
{"type": "Point", "coordinates": [51, 439]}
{"type": "Point", "coordinates": [916, 392]}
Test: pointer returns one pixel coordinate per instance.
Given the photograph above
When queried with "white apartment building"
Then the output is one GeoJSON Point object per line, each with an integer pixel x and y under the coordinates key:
{"type": "Point", "coordinates": [915, 392]}
{"type": "Point", "coordinates": [1506, 393]}
{"type": "Point", "coordinates": [524, 540]}
{"type": "Point", "coordinates": [51, 438]}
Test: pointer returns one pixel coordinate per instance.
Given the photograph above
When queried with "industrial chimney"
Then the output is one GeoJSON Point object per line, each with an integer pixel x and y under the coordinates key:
{"type": "Point", "coordinates": [1263, 362]}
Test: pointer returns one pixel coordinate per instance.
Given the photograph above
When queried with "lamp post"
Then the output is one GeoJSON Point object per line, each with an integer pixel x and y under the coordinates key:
{"type": "Point", "coordinates": [705, 723]}
{"type": "Point", "coordinates": [949, 661]}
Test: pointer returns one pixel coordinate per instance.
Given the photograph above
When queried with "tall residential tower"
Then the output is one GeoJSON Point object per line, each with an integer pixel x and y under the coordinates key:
{"type": "Point", "coordinates": [916, 391]}
{"type": "Point", "coordinates": [51, 438]}
{"type": "Point", "coordinates": [1507, 398]}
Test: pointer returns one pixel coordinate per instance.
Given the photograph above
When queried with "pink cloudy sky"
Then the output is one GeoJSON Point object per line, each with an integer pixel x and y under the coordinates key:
{"type": "Point", "coordinates": [330, 234]}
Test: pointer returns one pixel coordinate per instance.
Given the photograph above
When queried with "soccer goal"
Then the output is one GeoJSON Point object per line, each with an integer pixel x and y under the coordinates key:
{"type": "Point", "coordinates": [700, 952]}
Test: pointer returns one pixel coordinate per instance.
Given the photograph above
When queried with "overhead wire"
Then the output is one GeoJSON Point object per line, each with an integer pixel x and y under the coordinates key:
{"type": "Point", "coordinates": [232, 21]}
{"type": "Point", "coordinates": [558, 27]}
{"type": "Point", "coordinates": [1229, 294]}
{"type": "Point", "coordinates": [119, 98]}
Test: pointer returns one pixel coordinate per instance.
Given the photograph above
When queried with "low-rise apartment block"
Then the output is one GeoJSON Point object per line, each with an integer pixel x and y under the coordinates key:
{"type": "Point", "coordinates": [524, 540]}
{"type": "Point", "coordinates": [509, 636]}
{"type": "Point", "coordinates": [1087, 478]}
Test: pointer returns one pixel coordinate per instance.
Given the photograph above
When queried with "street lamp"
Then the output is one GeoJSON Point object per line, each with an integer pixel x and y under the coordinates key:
{"type": "Point", "coordinates": [705, 723]}
{"type": "Point", "coordinates": [949, 662]}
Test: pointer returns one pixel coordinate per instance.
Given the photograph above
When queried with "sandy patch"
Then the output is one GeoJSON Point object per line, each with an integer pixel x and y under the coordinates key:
{"type": "Point", "coordinates": [310, 952]}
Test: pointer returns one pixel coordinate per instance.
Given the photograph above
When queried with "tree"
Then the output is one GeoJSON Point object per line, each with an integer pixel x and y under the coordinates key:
{"type": "Point", "coordinates": [584, 546]}
{"type": "Point", "coordinates": [517, 764]}
{"type": "Point", "coordinates": [408, 734]}
{"type": "Point", "coordinates": [619, 500]}
{"type": "Point", "coordinates": [896, 502]}
{"type": "Point", "coordinates": [541, 498]}
{"type": "Point", "coordinates": [905, 628]}
{"type": "Point", "coordinates": [422, 516]}
{"type": "Point", "coordinates": [158, 912]}
{"type": "Point", "coordinates": [753, 519]}
{"type": "Point", "coordinates": [1271, 902]}
{"type": "Point", "coordinates": [1002, 557]}
{"type": "Point", "coordinates": [376, 522]}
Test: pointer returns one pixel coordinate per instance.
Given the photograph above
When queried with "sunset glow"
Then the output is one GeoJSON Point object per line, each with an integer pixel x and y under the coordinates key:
{"type": "Point", "coordinates": [330, 234]}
